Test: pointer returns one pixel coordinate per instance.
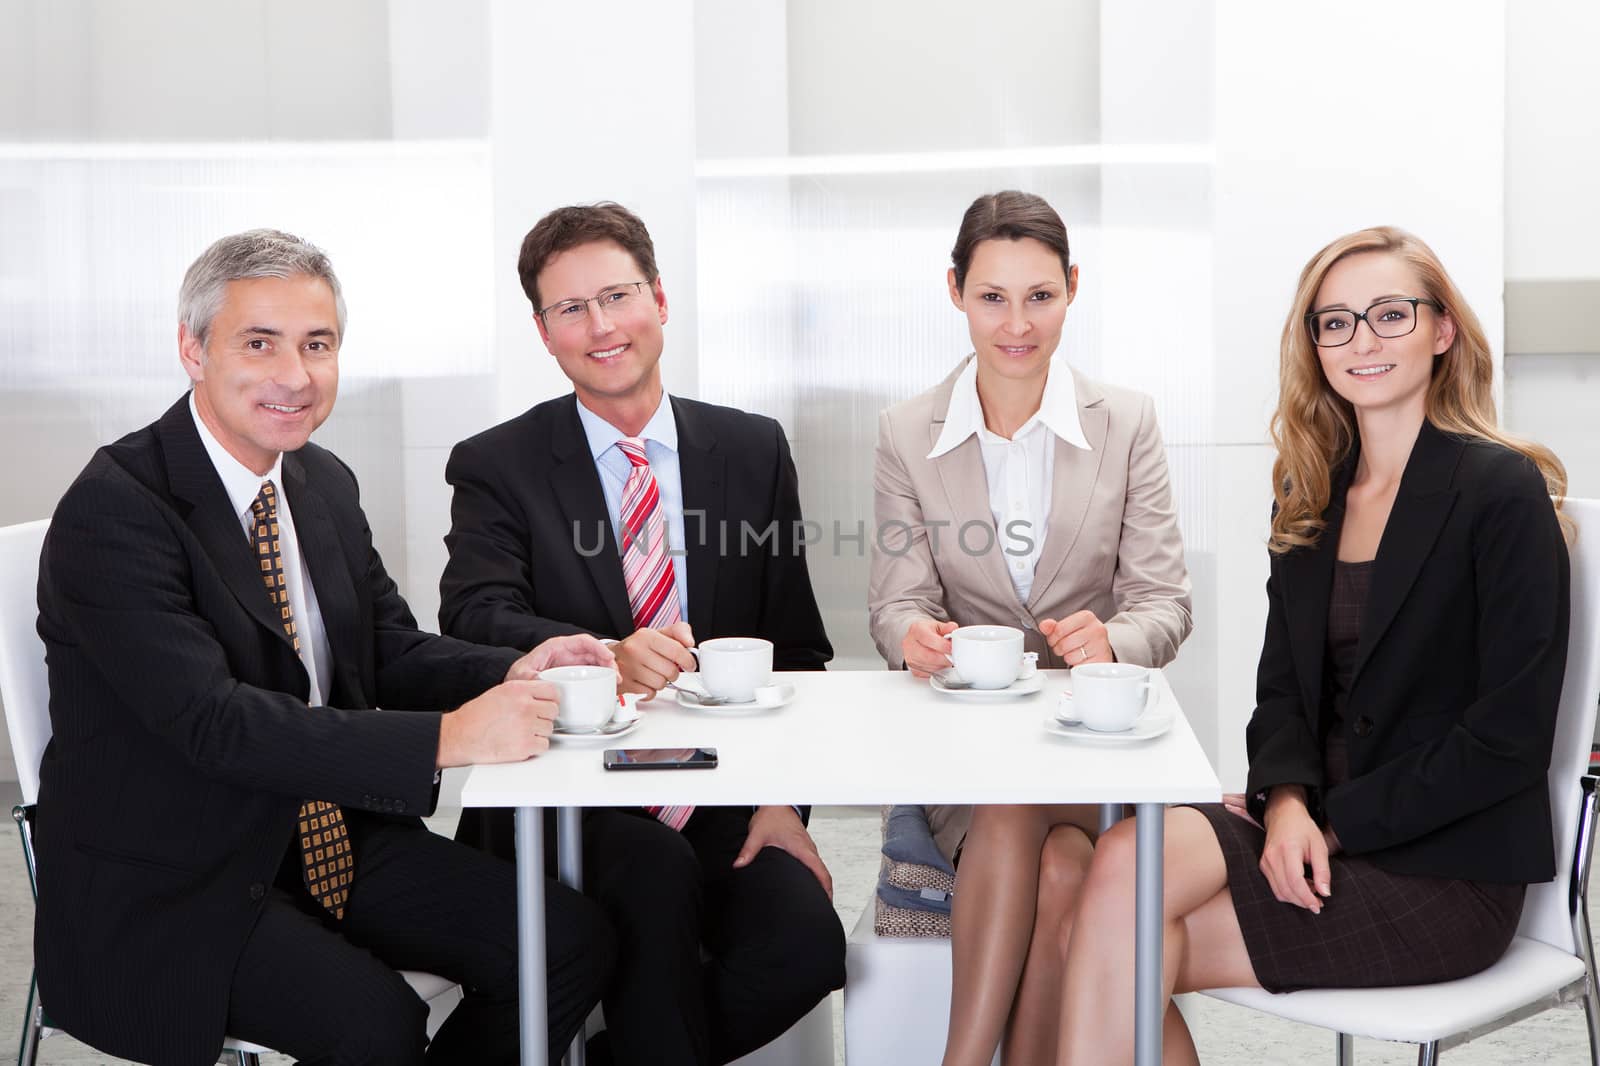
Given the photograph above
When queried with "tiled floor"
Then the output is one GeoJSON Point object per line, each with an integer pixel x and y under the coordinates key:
{"type": "Point", "coordinates": [848, 839]}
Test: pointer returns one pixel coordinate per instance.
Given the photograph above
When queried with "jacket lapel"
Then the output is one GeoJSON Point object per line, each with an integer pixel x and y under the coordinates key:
{"type": "Point", "coordinates": [576, 485]}
{"type": "Point", "coordinates": [322, 554]}
{"type": "Point", "coordinates": [701, 473]}
{"type": "Point", "coordinates": [1071, 490]}
{"type": "Point", "coordinates": [210, 516]}
{"type": "Point", "coordinates": [1306, 585]}
{"type": "Point", "coordinates": [1421, 506]}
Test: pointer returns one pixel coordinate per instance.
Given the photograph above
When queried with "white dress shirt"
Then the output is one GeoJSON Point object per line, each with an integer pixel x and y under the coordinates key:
{"type": "Point", "coordinates": [1019, 470]}
{"type": "Point", "coordinates": [660, 436]}
{"type": "Point", "coordinates": [242, 486]}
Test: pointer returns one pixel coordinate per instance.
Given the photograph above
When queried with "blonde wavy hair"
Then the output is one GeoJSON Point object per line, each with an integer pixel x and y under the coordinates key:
{"type": "Point", "coordinates": [1314, 427]}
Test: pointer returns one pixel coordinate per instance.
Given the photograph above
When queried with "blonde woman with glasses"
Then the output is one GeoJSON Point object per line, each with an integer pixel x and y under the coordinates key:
{"type": "Point", "coordinates": [1406, 698]}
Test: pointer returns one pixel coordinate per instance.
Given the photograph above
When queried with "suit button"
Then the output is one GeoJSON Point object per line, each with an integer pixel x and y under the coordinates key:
{"type": "Point", "coordinates": [1363, 726]}
{"type": "Point", "coordinates": [257, 890]}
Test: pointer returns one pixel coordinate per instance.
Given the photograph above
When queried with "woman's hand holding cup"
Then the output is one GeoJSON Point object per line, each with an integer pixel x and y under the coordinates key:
{"type": "Point", "coordinates": [1078, 638]}
{"type": "Point", "coordinates": [926, 647]}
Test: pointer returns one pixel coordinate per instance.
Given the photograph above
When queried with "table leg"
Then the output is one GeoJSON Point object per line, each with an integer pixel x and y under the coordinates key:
{"type": "Point", "coordinates": [1110, 815]}
{"type": "Point", "coordinates": [533, 1006]}
{"type": "Point", "coordinates": [1147, 1006]}
{"type": "Point", "coordinates": [569, 867]}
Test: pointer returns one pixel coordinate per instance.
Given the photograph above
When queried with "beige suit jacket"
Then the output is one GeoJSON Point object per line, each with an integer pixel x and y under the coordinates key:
{"type": "Point", "coordinates": [1112, 544]}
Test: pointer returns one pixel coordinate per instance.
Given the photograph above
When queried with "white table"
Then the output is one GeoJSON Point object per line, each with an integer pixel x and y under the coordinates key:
{"type": "Point", "coordinates": [855, 738]}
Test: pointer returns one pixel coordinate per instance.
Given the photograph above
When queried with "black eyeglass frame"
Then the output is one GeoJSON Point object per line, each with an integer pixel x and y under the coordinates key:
{"type": "Point", "coordinates": [1361, 316]}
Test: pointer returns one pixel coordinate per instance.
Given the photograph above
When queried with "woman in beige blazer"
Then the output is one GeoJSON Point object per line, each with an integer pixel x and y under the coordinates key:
{"type": "Point", "coordinates": [1018, 492]}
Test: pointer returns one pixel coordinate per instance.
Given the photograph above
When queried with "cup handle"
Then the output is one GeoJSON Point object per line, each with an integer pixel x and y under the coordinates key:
{"type": "Point", "coordinates": [1149, 695]}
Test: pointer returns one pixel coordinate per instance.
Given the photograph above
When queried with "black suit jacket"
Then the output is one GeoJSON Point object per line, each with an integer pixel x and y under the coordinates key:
{"type": "Point", "coordinates": [1452, 706]}
{"type": "Point", "coordinates": [182, 742]}
{"type": "Point", "coordinates": [533, 555]}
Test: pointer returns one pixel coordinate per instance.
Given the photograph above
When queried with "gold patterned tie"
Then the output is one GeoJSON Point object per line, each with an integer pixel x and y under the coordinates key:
{"type": "Point", "coordinates": [326, 860]}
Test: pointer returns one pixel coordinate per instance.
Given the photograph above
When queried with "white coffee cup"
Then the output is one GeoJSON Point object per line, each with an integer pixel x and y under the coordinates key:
{"type": "Point", "coordinates": [732, 668]}
{"type": "Point", "coordinates": [987, 656]}
{"type": "Point", "coordinates": [586, 696]}
{"type": "Point", "coordinates": [1110, 697]}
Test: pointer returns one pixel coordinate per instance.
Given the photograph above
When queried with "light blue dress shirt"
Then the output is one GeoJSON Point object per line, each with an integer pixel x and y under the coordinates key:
{"type": "Point", "coordinates": [661, 448]}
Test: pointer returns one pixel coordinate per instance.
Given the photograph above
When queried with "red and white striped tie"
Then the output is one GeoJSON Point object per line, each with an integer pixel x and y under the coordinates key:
{"type": "Point", "coordinates": [647, 567]}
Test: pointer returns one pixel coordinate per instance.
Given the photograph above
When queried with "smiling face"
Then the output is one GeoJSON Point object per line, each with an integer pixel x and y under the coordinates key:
{"type": "Point", "coordinates": [1381, 373]}
{"type": "Point", "coordinates": [268, 373]}
{"type": "Point", "coordinates": [612, 353]}
{"type": "Point", "coordinates": [1015, 300]}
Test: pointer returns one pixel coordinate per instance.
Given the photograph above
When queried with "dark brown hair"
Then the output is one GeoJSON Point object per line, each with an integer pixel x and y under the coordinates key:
{"type": "Point", "coordinates": [1009, 216]}
{"type": "Point", "coordinates": [567, 227]}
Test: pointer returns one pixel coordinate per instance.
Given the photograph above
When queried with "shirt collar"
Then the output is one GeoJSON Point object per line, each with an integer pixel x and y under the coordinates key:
{"type": "Point", "coordinates": [1058, 409]}
{"type": "Point", "coordinates": [662, 428]}
{"type": "Point", "coordinates": [241, 483]}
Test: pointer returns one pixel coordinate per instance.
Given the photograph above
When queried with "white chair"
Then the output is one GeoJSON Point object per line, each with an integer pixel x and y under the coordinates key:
{"type": "Point", "coordinates": [896, 996]}
{"type": "Point", "coordinates": [1551, 959]}
{"type": "Point", "coordinates": [808, 1042]}
{"type": "Point", "coordinates": [25, 692]}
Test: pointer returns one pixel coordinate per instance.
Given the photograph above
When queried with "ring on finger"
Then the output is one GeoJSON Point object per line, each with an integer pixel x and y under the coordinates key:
{"type": "Point", "coordinates": [1083, 652]}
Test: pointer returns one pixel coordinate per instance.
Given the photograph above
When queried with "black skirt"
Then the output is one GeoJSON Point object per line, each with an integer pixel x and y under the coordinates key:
{"type": "Point", "coordinates": [1377, 929]}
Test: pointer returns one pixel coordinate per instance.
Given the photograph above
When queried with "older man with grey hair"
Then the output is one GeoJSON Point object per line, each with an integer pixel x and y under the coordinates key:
{"type": "Point", "coordinates": [227, 826]}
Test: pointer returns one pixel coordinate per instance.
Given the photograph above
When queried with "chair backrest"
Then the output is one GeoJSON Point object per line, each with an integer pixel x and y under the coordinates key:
{"type": "Point", "coordinates": [24, 687]}
{"type": "Point", "coordinates": [1545, 914]}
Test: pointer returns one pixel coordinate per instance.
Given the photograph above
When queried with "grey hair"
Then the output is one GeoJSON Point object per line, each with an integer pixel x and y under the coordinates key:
{"type": "Point", "coordinates": [256, 253]}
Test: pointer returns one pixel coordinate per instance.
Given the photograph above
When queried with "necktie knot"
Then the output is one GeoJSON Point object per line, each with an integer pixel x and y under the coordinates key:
{"type": "Point", "coordinates": [633, 448]}
{"type": "Point", "coordinates": [265, 505]}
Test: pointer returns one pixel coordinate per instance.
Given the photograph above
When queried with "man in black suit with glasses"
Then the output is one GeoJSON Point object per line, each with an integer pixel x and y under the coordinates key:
{"type": "Point", "coordinates": [653, 521]}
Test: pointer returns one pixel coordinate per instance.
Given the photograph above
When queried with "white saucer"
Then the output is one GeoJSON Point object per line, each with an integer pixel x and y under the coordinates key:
{"type": "Point", "coordinates": [1153, 723]}
{"type": "Point", "coordinates": [768, 698]}
{"type": "Point", "coordinates": [619, 726]}
{"type": "Point", "coordinates": [1022, 686]}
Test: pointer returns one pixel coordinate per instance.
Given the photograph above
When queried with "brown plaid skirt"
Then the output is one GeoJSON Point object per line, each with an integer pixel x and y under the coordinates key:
{"type": "Point", "coordinates": [1377, 929]}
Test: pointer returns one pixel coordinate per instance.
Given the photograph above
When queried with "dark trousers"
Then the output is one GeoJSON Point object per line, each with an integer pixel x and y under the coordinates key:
{"type": "Point", "coordinates": [327, 992]}
{"type": "Point", "coordinates": [712, 962]}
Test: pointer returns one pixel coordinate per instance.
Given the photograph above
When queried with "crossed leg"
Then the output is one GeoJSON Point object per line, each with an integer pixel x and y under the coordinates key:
{"type": "Point", "coordinates": [1202, 945]}
{"type": "Point", "coordinates": [1016, 890]}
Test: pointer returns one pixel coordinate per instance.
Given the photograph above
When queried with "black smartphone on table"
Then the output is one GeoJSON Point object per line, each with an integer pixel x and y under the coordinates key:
{"type": "Point", "coordinates": [661, 758]}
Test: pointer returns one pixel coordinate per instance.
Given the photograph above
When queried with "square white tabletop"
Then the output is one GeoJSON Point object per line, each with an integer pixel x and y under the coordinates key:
{"type": "Point", "coordinates": [865, 737]}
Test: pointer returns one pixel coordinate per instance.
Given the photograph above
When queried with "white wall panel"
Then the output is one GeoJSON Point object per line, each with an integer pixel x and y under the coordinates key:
{"type": "Point", "coordinates": [1330, 118]}
{"type": "Point", "coordinates": [191, 70]}
{"type": "Point", "coordinates": [1552, 160]}
{"type": "Point", "coordinates": [634, 143]}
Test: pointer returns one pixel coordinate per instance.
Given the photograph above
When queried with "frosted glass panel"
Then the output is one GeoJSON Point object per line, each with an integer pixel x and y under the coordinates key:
{"type": "Point", "coordinates": [839, 147]}
{"type": "Point", "coordinates": [97, 240]}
